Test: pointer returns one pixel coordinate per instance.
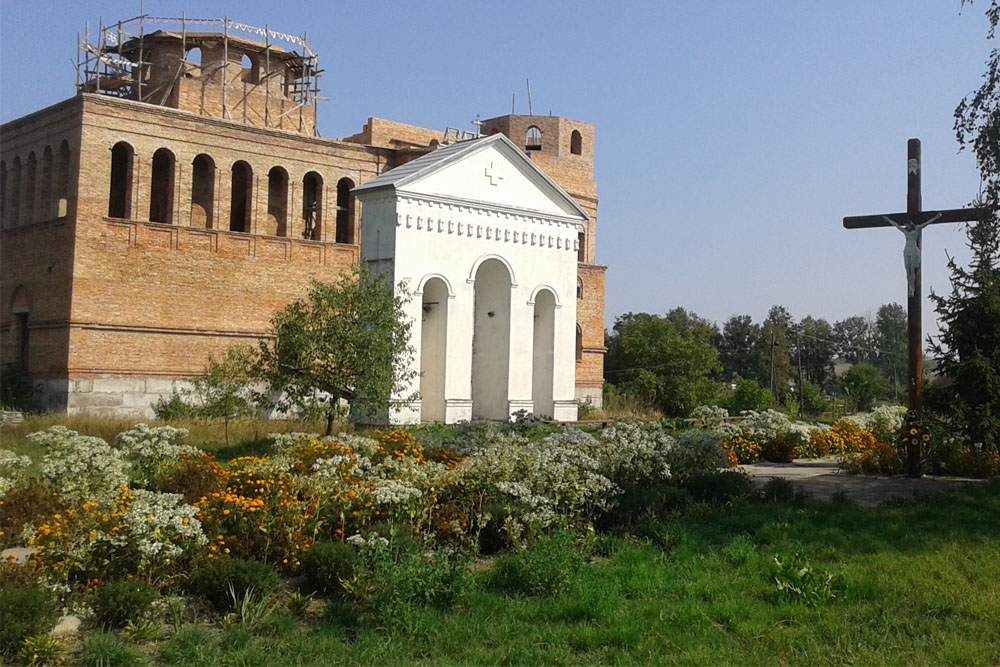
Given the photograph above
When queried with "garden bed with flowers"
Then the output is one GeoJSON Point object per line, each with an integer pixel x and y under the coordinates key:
{"type": "Point", "coordinates": [124, 532]}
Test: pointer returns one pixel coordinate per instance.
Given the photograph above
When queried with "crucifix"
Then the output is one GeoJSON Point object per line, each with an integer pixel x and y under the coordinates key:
{"type": "Point", "coordinates": [911, 224]}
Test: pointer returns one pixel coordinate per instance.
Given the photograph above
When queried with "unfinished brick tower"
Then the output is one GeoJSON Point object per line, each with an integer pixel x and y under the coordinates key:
{"type": "Point", "coordinates": [182, 196]}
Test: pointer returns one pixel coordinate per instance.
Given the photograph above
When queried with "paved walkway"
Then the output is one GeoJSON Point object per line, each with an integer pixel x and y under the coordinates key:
{"type": "Point", "coordinates": [822, 478]}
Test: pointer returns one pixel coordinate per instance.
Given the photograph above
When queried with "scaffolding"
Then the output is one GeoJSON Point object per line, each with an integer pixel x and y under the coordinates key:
{"type": "Point", "coordinates": [114, 63]}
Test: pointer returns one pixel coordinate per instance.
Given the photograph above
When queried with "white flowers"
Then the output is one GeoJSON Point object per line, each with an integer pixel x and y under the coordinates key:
{"type": "Point", "coordinates": [11, 467]}
{"type": "Point", "coordinates": [79, 466]}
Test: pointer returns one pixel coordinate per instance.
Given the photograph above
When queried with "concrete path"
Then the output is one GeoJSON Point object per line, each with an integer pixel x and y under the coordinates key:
{"type": "Point", "coordinates": [822, 478]}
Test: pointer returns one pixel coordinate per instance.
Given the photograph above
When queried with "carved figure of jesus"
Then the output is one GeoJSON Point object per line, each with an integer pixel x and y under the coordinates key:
{"type": "Point", "coordinates": [911, 251]}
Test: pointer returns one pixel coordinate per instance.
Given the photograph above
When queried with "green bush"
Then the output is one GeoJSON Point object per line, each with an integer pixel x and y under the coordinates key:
{"type": "Point", "coordinates": [720, 487]}
{"type": "Point", "coordinates": [118, 602]}
{"type": "Point", "coordinates": [101, 650]}
{"type": "Point", "coordinates": [638, 501]}
{"type": "Point", "coordinates": [778, 490]}
{"type": "Point", "coordinates": [326, 564]}
{"type": "Point", "coordinates": [547, 567]}
{"type": "Point", "coordinates": [24, 612]}
{"type": "Point", "coordinates": [219, 579]}
{"type": "Point", "coordinates": [779, 449]}
{"type": "Point", "coordinates": [174, 409]}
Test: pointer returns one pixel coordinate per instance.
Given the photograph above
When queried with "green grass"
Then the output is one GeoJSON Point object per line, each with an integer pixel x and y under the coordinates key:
{"type": "Point", "coordinates": [915, 584]}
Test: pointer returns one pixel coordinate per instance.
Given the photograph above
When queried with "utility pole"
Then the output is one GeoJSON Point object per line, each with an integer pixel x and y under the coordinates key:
{"type": "Point", "coordinates": [798, 339]}
{"type": "Point", "coordinates": [774, 343]}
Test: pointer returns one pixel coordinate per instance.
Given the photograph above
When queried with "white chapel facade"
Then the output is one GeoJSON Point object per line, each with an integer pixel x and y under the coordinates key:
{"type": "Point", "coordinates": [488, 244]}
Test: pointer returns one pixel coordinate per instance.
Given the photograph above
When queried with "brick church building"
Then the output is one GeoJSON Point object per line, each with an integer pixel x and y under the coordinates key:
{"type": "Point", "coordinates": [183, 195]}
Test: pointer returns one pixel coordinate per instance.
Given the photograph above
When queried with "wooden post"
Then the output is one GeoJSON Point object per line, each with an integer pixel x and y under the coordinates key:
{"type": "Point", "coordinates": [913, 308]}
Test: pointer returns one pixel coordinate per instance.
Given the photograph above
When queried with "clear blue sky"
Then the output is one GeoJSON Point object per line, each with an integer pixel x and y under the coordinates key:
{"type": "Point", "coordinates": [731, 137]}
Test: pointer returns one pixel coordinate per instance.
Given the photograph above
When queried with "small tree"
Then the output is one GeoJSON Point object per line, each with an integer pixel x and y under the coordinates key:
{"type": "Point", "coordinates": [864, 384]}
{"type": "Point", "coordinates": [225, 391]}
{"type": "Point", "coordinates": [347, 340]}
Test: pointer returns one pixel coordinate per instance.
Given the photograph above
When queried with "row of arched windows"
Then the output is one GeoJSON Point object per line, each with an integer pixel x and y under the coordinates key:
{"type": "Point", "coordinates": [37, 188]}
{"type": "Point", "coordinates": [163, 173]}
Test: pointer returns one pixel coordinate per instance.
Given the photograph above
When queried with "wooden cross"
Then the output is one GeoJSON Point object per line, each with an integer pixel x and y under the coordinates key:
{"type": "Point", "coordinates": [911, 223]}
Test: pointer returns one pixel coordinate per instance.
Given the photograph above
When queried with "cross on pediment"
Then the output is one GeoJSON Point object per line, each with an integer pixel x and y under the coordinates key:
{"type": "Point", "coordinates": [493, 174]}
{"type": "Point", "coordinates": [911, 224]}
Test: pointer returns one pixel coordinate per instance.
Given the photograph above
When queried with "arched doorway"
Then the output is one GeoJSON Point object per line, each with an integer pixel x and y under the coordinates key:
{"type": "Point", "coordinates": [543, 352]}
{"type": "Point", "coordinates": [433, 349]}
{"type": "Point", "coordinates": [491, 341]}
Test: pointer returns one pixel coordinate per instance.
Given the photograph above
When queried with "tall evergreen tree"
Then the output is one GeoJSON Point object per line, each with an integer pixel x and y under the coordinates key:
{"type": "Point", "coordinates": [968, 348]}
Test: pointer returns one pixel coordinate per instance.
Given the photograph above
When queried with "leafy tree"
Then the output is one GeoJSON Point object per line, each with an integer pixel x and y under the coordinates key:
{"type": "Point", "coordinates": [347, 340]}
{"type": "Point", "coordinates": [854, 339]}
{"type": "Point", "coordinates": [650, 359]}
{"type": "Point", "coordinates": [225, 390]}
{"type": "Point", "coordinates": [749, 395]}
{"type": "Point", "coordinates": [738, 346]}
{"type": "Point", "coordinates": [818, 349]}
{"type": "Point", "coordinates": [968, 348]}
{"type": "Point", "coordinates": [864, 385]}
{"type": "Point", "coordinates": [891, 342]}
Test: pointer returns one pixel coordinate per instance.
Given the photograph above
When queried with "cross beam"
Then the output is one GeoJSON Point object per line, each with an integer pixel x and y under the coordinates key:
{"type": "Point", "coordinates": [911, 223]}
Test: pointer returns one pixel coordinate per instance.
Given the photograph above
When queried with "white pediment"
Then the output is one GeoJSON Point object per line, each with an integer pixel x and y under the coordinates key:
{"type": "Point", "coordinates": [489, 172]}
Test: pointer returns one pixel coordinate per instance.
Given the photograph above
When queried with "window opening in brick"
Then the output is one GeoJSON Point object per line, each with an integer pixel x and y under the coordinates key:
{"type": "Point", "coordinates": [576, 143]}
{"type": "Point", "coordinates": [45, 207]}
{"type": "Point", "coordinates": [251, 70]}
{"type": "Point", "coordinates": [120, 196]}
{"type": "Point", "coordinates": [21, 323]}
{"type": "Point", "coordinates": [14, 205]}
{"type": "Point", "coordinates": [203, 192]}
{"type": "Point", "coordinates": [30, 174]}
{"type": "Point", "coordinates": [581, 253]}
{"type": "Point", "coordinates": [579, 343]}
{"type": "Point", "coordinates": [242, 196]}
{"type": "Point", "coordinates": [193, 60]}
{"type": "Point", "coordinates": [579, 288]}
{"type": "Point", "coordinates": [312, 206]}
{"type": "Point", "coordinates": [60, 181]}
{"type": "Point", "coordinates": [277, 202]}
{"type": "Point", "coordinates": [161, 187]}
{"type": "Point", "coordinates": [345, 211]}
{"type": "Point", "coordinates": [533, 139]}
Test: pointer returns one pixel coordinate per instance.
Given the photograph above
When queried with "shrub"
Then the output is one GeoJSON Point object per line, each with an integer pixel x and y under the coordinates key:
{"type": "Point", "coordinates": [744, 447]}
{"type": "Point", "coordinates": [173, 409]}
{"type": "Point", "coordinates": [326, 564]}
{"type": "Point", "coordinates": [720, 487]}
{"type": "Point", "coordinates": [749, 395]}
{"type": "Point", "coordinates": [104, 649]}
{"type": "Point", "coordinates": [26, 612]}
{"type": "Point", "coordinates": [546, 568]}
{"type": "Point", "coordinates": [218, 579]}
{"type": "Point", "coordinates": [779, 449]}
{"type": "Point", "coordinates": [79, 466]}
{"type": "Point", "coordinates": [118, 602]}
{"type": "Point", "coordinates": [872, 456]}
{"type": "Point", "coordinates": [778, 490]}
{"type": "Point", "coordinates": [43, 650]}
{"type": "Point", "coordinates": [696, 452]}
{"type": "Point", "coordinates": [797, 580]}
{"type": "Point", "coordinates": [639, 501]}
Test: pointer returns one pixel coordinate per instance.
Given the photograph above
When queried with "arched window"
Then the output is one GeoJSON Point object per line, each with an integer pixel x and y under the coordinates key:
{"type": "Point", "coordinates": [203, 192]}
{"type": "Point", "coordinates": [161, 187]}
{"type": "Point", "coordinates": [345, 211]}
{"type": "Point", "coordinates": [251, 69]}
{"type": "Point", "coordinates": [579, 343]}
{"type": "Point", "coordinates": [30, 174]}
{"type": "Point", "coordinates": [242, 197]}
{"type": "Point", "coordinates": [533, 139]}
{"type": "Point", "coordinates": [576, 143]}
{"type": "Point", "coordinates": [193, 63]}
{"type": "Point", "coordinates": [120, 195]}
{"type": "Point", "coordinates": [14, 204]}
{"type": "Point", "coordinates": [45, 208]}
{"type": "Point", "coordinates": [60, 181]}
{"type": "Point", "coordinates": [312, 206]}
{"type": "Point", "coordinates": [3, 192]}
{"type": "Point", "coordinates": [579, 288]}
{"type": "Point", "coordinates": [277, 202]}
{"type": "Point", "coordinates": [581, 252]}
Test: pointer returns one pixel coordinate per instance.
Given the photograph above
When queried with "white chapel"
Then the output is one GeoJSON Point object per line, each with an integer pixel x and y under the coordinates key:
{"type": "Point", "coordinates": [488, 245]}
